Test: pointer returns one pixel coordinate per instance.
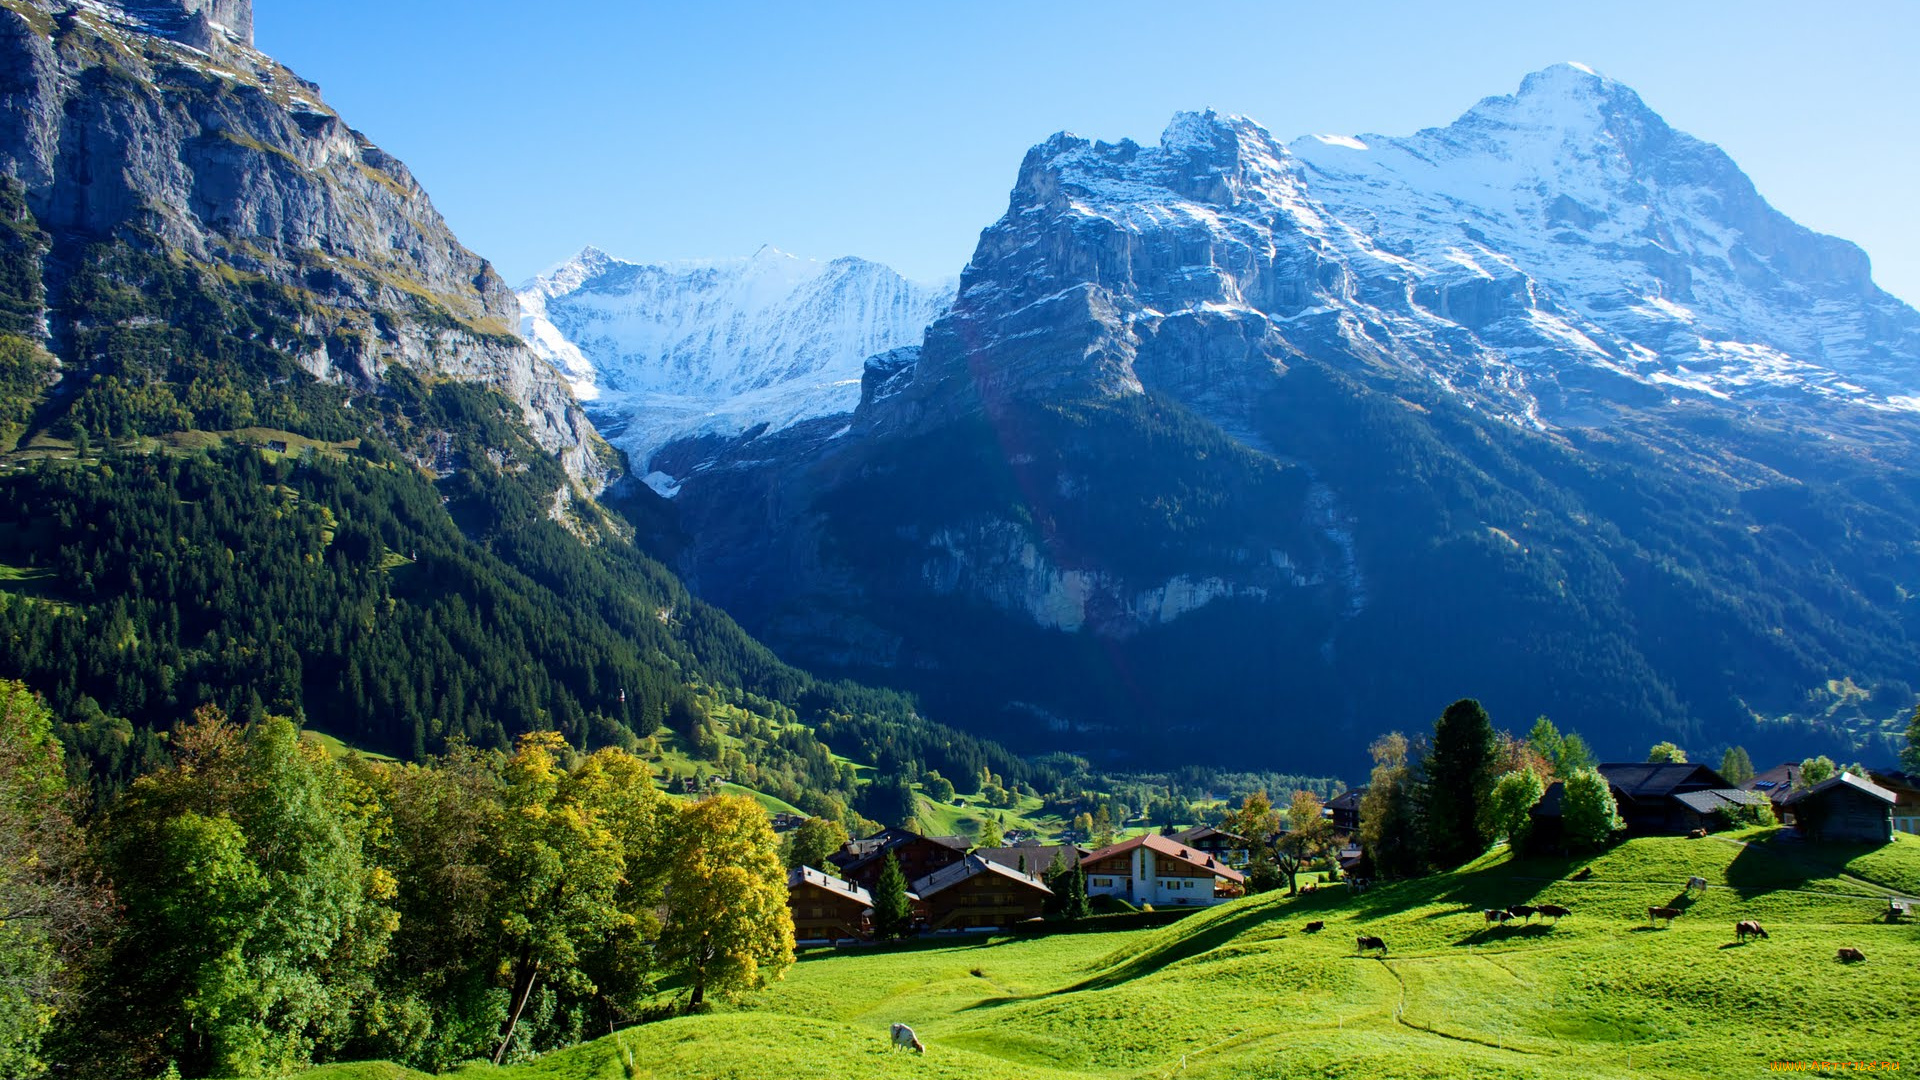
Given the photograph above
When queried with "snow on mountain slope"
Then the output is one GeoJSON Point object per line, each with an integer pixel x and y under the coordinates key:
{"type": "Point", "coordinates": [664, 352]}
{"type": "Point", "coordinates": [1559, 256]}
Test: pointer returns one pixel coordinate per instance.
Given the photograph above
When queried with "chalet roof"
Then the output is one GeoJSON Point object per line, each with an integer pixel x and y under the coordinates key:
{"type": "Point", "coordinates": [1172, 849]}
{"type": "Point", "coordinates": [1203, 832]}
{"type": "Point", "coordinates": [1776, 783]}
{"type": "Point", "coordinates": [1549, 804]}
{"type": "Point", "coordinates": [1711, 799]}
{"type": "Point", "coordinates": [970, 867]}
{"type": "Point", "coordinates": [1347, 800]}
{"type": "Point", "coordinates": [807, 875]}
{"type": "Point", "coordinates": [1845, 779]}
{"type": "Point", "coordinates": [1905, 786]}
{"type": "Point", "coordinates": [858, 853]}
{"type": "Point", "coordinates": [1657, 779]}
{"type": "Point", "coordinates": [1039, 856]}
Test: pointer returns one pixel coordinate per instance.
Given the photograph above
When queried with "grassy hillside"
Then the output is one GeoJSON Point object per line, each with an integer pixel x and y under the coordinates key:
{"type": "Point", "coordinates": [1244, 991]}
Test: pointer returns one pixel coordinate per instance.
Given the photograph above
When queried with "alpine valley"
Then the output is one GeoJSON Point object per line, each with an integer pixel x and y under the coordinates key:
{"type": "Point", "coordinates": [1237, 449]}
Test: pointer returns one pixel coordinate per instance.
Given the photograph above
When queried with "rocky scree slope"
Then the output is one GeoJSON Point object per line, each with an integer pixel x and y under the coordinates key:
{"type": "Point", "coordinates": [1230, 445]}
{"type": "Point", "coordinates": [709, 350]}
{"type": "Point", "coordinates": [158, 125]}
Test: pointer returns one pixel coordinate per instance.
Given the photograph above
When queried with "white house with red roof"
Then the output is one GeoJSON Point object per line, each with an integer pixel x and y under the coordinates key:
{"type": "Point", "coordinates": [1161, 871]}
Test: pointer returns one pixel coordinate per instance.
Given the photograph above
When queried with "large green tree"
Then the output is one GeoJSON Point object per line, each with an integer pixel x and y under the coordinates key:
{"type": "Point", "coordinates": [1910, 756]}
{"type": "Point", "coordinates": [1736, 766]}
{"type": "Point", "coordinates": [1667, 752]}
{"type": "Point", "coordinates": [252, 919]}
{"type": "Point", "coordinates": [1514, 795]}
{"type": "Point", "coordinates": [46, 904]}
{"type": "Point", "coordinates": [1588, 814]}
{"type": "Point", "coordinates": [811, 843]}
{"type": "Point", "coordinates": [1390, 825]}
{"type": "Point", "coordinates": [727, 928]}
{"type": "Point", "coordinates": [1459, 777]}
{"type": "Point", "coordinates": [1309, 834]}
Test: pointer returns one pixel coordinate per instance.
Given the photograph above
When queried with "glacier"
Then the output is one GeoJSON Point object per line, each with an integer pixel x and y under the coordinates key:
{"type": "Point", "coordinates": [658, 353]}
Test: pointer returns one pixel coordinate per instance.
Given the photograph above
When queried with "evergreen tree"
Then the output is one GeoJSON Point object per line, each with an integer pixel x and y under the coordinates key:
{"type": "Point", "coordinates": [1588, 813]}
{"type": "Point", "coordinates": [1574, 756]}
{"type": "Point", "coordinates": [1910, 756]}
{"type": "Point", "coordinates": [1666, 752]}
{"type": "Point", "coordinates": [1459, 778]}
{"type": "Point", "coordinates": [1546, 741]}
{"type": "Point", "coordinates": [990, 834]}
{"type": "Point", "coordinates": [1736, 766]}
{"type": "Point", "coordinates": [1078, 905]}
{"type": "Point", "coordinates": [892, 913]}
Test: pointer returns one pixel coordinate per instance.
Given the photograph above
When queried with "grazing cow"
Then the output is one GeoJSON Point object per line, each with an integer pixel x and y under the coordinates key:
{"type": "Point", "coordinates": [1552, 911]}
{"type": "Point", "coordinates": [903, 1036]}
{"type": "Point", "coordinates": [1363, 943]}
{"type": "Point", "coordinates": [1697, 834]}
{"type": "Point", "coordinates": [1654, 914]}
{"type": "Point", "coordinates": [1498, 915]}
{"type": "Point", "coordinates": [1523, 912]}
{"type": "Point", "coordinates": [1747, 928]}
{"type": "Point", "coordinates": [1316, 926]}
{"type": "Point", "coordinates": [1583, 873]}
{"type": "Point", "coordinates": [1309, 887]}
{"type": "Point", "coordinates": [1850, 956]}
{"type": "Point", "coordinates": [1697, 883]}
{"type": "Point", "coordinates": [1358, 885]}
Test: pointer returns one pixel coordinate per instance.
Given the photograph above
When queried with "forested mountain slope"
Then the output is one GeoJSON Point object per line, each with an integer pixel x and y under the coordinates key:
{"type": "Point", "coordinates": [268, 441]}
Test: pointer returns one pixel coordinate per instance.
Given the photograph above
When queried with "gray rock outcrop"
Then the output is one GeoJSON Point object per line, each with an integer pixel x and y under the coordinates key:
{"type": "Point", "coordinates": [119, 123]}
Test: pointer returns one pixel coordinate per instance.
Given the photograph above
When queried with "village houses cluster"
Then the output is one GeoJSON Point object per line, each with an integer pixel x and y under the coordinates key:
{"type": "Point", "coordinates": [956, 887]}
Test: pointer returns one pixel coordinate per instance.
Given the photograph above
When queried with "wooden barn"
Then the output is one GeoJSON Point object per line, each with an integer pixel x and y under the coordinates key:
{"type": "Point", "coordinates": [1845, 808]}
{"type": "Point", "coordinates": [1224, 846]}
{"type": "Point", "coordinates": [1906, 797]}
{"type": "Point", "coordinates": [979, 894]}
{"type": "Point", "coordinates": [861, 861]}
{"type": "Point", "coordinates": [1344, 810]}
{"type": "Point", "coordinates": [827, 908]}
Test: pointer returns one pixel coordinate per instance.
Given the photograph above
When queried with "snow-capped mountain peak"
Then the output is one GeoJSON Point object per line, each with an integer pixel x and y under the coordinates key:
{"type": "Point", "coordinates": [666, 351]}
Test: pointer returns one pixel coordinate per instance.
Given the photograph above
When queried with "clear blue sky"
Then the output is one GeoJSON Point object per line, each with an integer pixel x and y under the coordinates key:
{"type": "Point", "coordinates": [893, 130]}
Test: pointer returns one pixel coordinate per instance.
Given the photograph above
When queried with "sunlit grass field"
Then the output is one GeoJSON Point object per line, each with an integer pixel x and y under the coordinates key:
{"type": "Point", "coordinates": [1244, 991]}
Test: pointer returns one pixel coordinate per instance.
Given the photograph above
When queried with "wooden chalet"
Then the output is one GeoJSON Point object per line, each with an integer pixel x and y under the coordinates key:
{"type": "Point", "coordinates": [1224, 846]}
{"type": "Point", "coordinates": [1344, 810]}
{"type": "Point", "coordinates": [1034, 859]}
{"type": "Point", "coordinates": [1661, 797]}
{"type": "Point", "coordinates": [1906, 797]}
{"type": "Point", "coordinates": [1654, 798]}
{"type": "Point", "coordinates": [861, 861]}
{"type": "Point", "coordinates": [979, 894]}
{"type": "Point", "coordinates": [1776, 784]}
{"type": "Point", "coordinates": [827, 908]}
{"type": "Point", "coordinates": [1844, 808]}
{"type": "Point", "coordinates": [1161, 871]}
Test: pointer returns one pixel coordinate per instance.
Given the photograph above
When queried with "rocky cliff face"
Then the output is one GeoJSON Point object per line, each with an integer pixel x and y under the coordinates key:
{"type": "Point", "coordinates": [1269, 446]}
{"type": "Point", "coordinates": [158, 124]}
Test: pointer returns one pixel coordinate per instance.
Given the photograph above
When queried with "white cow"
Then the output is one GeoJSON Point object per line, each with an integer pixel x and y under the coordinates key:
{"type": "Point", "coordinates": [904, 1036]}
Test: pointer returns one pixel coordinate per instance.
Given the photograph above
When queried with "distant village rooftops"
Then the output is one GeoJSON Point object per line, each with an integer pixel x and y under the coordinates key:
{"type": "Point", "coordinates": [970, 867]}
{"type": "Point", "coordinates": [807, 875]}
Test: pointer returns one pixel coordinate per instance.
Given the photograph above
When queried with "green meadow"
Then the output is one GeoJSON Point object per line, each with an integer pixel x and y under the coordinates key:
{"type": "Point", "coordinates": [1245, 991]}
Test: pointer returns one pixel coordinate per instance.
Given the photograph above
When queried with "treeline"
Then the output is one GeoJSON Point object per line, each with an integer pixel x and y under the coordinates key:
{"type": "Point", "coordinates": [256, 906]}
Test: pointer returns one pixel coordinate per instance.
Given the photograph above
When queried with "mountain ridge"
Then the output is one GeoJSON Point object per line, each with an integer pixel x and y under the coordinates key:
{"type": "Point", "coordinates": [1188, 371]}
